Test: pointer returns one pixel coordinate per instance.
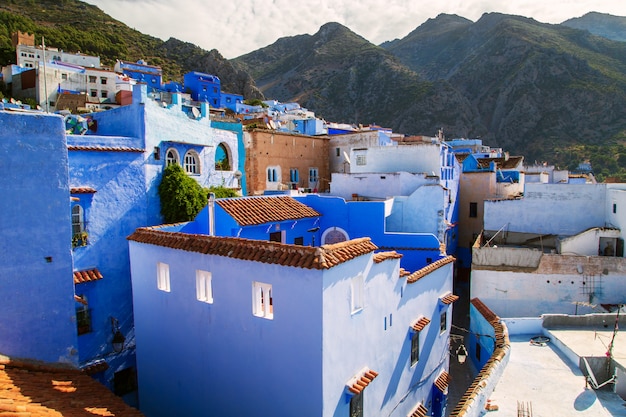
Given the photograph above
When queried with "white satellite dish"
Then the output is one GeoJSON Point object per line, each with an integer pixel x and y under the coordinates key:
{"type": "Point", "coordinates": [237, 174]}
{"type": "Point", "coordinates": [346, 158]}
{"type": "Point", "coordinates": [195, 112]}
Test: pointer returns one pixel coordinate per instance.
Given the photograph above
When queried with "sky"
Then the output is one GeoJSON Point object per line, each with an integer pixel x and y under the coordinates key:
{"type": "Point", "coordinates": [236, 27]}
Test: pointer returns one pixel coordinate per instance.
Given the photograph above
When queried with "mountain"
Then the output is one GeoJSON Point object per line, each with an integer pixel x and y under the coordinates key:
{"type": "Point", "coordinates": [601, 24]}
{"type": "Point", "coordinates": [73, 26]}
{"type": "Point", "coordinates": [548, 92]}
{"type": "Point", "coordinates": [345, 78]}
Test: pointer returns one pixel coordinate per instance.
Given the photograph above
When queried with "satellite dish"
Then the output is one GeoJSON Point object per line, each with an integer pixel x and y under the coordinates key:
{"type": "Point", "coordinates": [237, 174]}
{"type": "Point", "coordinates": [195, 112]}
{"type": "Point", "coordinates": [346, 158]}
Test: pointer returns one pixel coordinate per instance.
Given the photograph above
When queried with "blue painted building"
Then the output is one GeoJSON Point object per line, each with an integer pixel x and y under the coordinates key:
{"type": "Point", "coordinates": [204, 87]}
{"type": "Point", "coordinates": [274, 328]}
{"type": "Point", "coordinates": [151, 75]}
{"type": "Point", "coordinates": [36, 289]}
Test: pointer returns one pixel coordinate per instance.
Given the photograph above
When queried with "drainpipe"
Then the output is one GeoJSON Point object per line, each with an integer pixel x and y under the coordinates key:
{"type": "Point", "coordinates": [211, 212]}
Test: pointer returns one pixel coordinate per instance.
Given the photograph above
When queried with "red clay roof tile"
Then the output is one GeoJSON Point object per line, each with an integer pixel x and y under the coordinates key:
{"type": "Point", "coordinates": [36, 390]}
{"type": "Point", "coordinates": [443, 381]}
{"type": "Point", "coordinates": [87, 275]}
{"type": "Point", "coordinates": [82, 190]}
{"type": "Point", "coordinates": [360, 381]}
{"type": "Point", "coordinates": [97, 148]}
{"type": "Point", "coordinates": [420, 411]}
{"type": "Point", "coordinates": [259, 210]}
{"type": "Point", "coordinates": [323, 257]}
{"type": "Point", "coordinates": [448, 298]}
{"type": "Point", "coordinates": [417, 275]}
{"type": "Point", "coordinates": [383, 256]}
{"type": "Point", "coordinates": [420, 323]}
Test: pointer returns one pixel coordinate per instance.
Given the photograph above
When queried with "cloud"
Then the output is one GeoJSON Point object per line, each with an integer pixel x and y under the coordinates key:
{"type": "Point", "coordinates": [236, 28]}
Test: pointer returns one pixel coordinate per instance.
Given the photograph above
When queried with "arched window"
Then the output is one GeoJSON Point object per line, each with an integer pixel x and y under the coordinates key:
{"type": "Point", "coordinates": [334, 235]}
{"type": "Point", "coordinates": [78, 219]}
{"type": "Point", "coordinates": [222, 159]}
{"type": "Point", "coordinates": [171, 157]}
{"type": "Point", "coordinates": [192, 162]}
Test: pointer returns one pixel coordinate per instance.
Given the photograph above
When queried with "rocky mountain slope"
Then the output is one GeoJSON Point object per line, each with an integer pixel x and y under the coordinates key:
{"type": "Point", "coordinates": [601, 24]}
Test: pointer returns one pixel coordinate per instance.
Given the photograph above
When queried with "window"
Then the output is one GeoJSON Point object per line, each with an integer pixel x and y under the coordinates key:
{"type": "Point", "coordinates": [473, 210]}
{"type": "Point", "coordinates": [104, 94]}
{"type": "Point", "coordinates": [294, 175]}
{"type": "Point", "coordinates": [337, 151]}
{"type": "Point", "coordinates": [93, 93]}
{"type": "Point", "coordinates": [83, 320]}
{"type": "Point", "coordinates": [272, 174]}
{"type": "Point", "coordinates": [313, 175]}
{"type": "Point", "coordinates": [92, 79]}
{"type": "Point", "coordinates": [357, 293]}
{"type": "Point", "coordinates": [103, 80]}
{"type": "Point", "coordinates": [204, 292]}
{"type": "Point", "coordinates": [222, 162]}
{"type": "Point", "coordinates": [125, 381]}
{"type": "Point", "coordinates": [63, 76]}
{"type": "Point", "coordinates": [356, 405]}
{"type": "Point", "coordinates": [78, 219]}
{"type": "Point", "coordinates": [361, 160]}
{"type": "Point", "coordinates": [614, 208]}
{"type": "Point", "coordinates": [192, 163]}
{"type": "Point", "coordinates": [163, 277]}
{"type": "Point", "coordinates": [276, 236]}
{"type": "Point", "coordinates": [262, 303]}
{"type": "Point", "coordinates": [171, 157]}
{"type": "Point", "coordinates": [298, 241]}
{"type": "Point", "coordinates": [478, 351]}
{"type": "Point", "coordinates": [415, 348]}
{"type": "Point", "coordinates": [443, 322]}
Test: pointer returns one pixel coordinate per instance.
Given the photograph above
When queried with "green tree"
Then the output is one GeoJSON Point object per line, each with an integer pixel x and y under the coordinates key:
{"type": "Point", "coordinates": [182, 198]}
{"type": "Point", "coordinates": [222, 192]}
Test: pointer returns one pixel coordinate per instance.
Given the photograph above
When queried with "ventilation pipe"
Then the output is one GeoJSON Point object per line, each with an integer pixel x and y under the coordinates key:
{"type": "Point", "coordinates": [211, 212]}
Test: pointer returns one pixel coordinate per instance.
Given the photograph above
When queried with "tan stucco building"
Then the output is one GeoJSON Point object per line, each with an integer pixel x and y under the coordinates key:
{"type": "Point", "coordinates": [281, 161]}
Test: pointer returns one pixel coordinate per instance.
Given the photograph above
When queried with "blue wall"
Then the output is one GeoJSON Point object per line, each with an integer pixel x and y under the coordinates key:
{"type": "Point", "coordinates": [36, 285]}
{"type": "Point", "coordinates": [367, 219]}
{"type": "Point", "coordinates": [217, 359]}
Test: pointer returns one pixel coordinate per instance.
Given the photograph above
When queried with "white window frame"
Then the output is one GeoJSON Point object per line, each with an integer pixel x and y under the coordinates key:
{"type": "Point", "coordinates": [192, 162]}
{"type": "Point", "coordinates": [172, 160]}
{"type": "Point", "coordinates": [163, 276]}
{"type": "Point", "coordinates": [262, 300]}
{"type": "Point", "coordinates": [204, 290]}
{"type": "Point", "coordinates": [361, 160]}
{"type": "Point", "coordinates": [78, 219]}
{"type": "Point", "coordinates": [356, 291]}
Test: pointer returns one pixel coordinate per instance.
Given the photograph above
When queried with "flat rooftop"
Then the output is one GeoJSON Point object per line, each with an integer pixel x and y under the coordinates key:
{"type": "Point", "coordinates": [545, 380]}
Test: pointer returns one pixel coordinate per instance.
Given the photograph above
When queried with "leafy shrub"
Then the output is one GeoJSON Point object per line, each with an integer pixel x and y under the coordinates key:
{"type": "Point", "coordinates": [182, 197]}
{"type": "Point", "coordinates": [222, 192]}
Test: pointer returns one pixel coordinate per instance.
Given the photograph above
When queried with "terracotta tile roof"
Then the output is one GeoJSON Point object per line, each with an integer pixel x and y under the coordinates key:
{"type": "Point", "coordinates": [420, 411]}
{"type": "Point", "coordinates": [80, 299]}
{"type": "Point", "coordinates": [87, 275]}
{"type": "Point", "coordinates": [361, 380]}
{"type": "Point", "coordinates": [97, 148]}
{"type": "Point", "coordinates": [448, 298]}
{"type": "Point", "coordinates": [323, 257]}
{"type": "Point", "coordinates": [419, 324]}
{"type": "Point", "coordinates": [259, 210]}
{"type": "Point", "coordinates": [31, 390]}
{"type": "Point", "coordinates": [419, 274]}
{"type": "Point", "coordinates": [493, 363]}
{"type": "Point", "coordinates": [443, 381]}
{"type": "Point", "coordinates": [82, 190]}
{"type": "Point", "coordinates": [94, 367]}
{"type": "Point", "coordinates": [404, 273]}
{"type": "Point", "coordinates": [383, 256]}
